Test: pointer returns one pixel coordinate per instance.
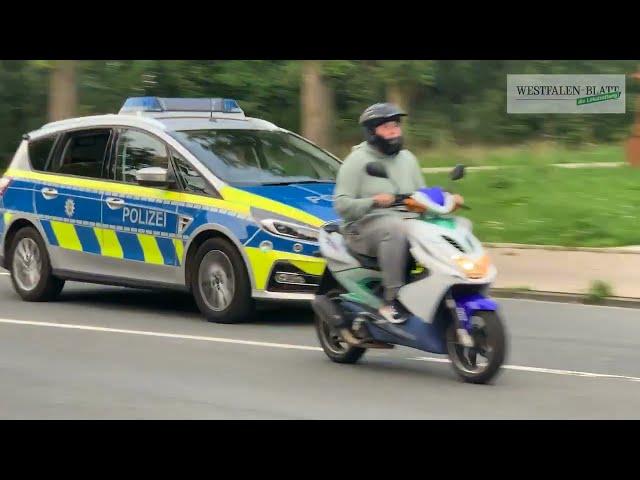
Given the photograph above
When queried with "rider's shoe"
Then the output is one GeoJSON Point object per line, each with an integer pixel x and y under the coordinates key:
{"type": "Point", "coordinates": [393, 312]}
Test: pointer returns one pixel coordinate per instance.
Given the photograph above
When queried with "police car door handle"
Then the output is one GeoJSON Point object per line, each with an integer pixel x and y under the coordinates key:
{"type": "Point", "coordinates": [49, 193]}
{"type": "Point", "coordinates": [115, 203]}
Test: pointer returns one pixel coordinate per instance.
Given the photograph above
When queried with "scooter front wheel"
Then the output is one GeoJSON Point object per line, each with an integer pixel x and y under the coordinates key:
{"type": "Point", "coordinates": [482, 362]}
{"type": "Point", "coordinates": [333, 345]}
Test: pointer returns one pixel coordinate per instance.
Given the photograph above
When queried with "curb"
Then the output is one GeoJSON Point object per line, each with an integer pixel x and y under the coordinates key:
{"type": "Point", "coordinates": [632, 249]}
{"type": "Point", "coordinates": [571, 298]}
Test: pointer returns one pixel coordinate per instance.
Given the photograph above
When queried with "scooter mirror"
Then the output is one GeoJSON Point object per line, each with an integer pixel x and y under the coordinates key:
{"type": "Point", "coordinates": [457, 173]}
{"type": "Point", "coordinates": [376, 169]}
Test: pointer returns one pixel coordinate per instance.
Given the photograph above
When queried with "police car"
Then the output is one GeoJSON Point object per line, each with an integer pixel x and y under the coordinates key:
{"type": "Point", "coordinates": [179, 193]}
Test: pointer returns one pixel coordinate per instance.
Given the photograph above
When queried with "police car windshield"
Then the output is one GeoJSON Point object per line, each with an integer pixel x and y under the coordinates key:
{"type": "Point", "coordinates": [259, 157]}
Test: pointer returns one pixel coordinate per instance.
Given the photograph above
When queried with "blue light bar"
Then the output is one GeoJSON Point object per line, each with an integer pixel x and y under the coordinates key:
{"type": "Point", "coordinates": [157, 104]}
{"type": "Point", "coordinates": [141, 104]}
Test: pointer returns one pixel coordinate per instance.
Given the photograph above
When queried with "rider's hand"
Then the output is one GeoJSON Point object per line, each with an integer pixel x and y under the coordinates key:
{"type": "Point", "coordinates": [384, 199]}
{"type": "Point", "coordinates": [458, 201]}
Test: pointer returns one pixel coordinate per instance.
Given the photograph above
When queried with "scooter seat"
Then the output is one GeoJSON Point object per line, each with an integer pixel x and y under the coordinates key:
{"type": "Point", "coordinates": [371, 263]}
{"type": "Point", "coordinates": [366, 261]}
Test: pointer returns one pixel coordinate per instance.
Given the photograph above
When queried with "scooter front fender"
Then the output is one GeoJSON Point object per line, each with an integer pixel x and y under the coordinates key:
{"type": "Point", "coordinates": [475, 302]}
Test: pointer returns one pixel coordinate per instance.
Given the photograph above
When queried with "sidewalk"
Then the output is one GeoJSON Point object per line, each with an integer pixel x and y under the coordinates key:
{"type": "Point", "coordinates": [567, 271]}
{"type": "Point", "coordinates": [559, 165]}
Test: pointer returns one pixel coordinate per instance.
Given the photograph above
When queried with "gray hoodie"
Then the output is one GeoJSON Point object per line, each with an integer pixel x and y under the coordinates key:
{"type": "Point", "coordinates": [355, 188]}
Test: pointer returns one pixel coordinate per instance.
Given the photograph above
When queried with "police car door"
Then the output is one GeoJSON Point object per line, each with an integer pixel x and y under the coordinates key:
{"type": "Point", "coordinates": [140, 222]}
{"type": "Point", "coordinates": [68, 201]}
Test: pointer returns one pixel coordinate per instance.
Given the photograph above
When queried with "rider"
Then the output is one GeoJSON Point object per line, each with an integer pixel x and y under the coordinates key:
{"type": "Point", "coordinates": [360, 199]}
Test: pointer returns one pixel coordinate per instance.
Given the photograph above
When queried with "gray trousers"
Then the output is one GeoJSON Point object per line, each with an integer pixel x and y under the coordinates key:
{"type": "Point", "coordinates": [384, 237]}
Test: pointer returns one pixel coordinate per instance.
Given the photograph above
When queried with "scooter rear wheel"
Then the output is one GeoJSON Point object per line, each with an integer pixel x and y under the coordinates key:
{"type": "Point", "coordinates": [333, 345]}
{"type": "Point", "coordinates": [489, 337]}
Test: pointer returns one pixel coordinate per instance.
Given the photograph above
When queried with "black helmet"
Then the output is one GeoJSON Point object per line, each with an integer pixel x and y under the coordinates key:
{"type": "Point", "coordinates": [376, 115]}
{"type": "Point", "coordinates": [379, 113]}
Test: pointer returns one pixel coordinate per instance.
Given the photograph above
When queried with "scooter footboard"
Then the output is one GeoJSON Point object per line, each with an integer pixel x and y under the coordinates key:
{"type": "Point", "coordinates": [429, 337]}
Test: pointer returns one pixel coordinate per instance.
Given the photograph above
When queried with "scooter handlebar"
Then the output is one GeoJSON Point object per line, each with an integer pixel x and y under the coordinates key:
{"type": "Point", "coordinates": [400, 198]}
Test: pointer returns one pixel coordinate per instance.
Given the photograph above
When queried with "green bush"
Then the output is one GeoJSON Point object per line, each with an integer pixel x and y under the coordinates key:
{"type": "Point", "coordinates": [598, 291]}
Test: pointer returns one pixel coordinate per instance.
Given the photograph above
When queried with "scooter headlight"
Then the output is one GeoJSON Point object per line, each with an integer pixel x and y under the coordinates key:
{"type": "Point", "coordinates": [474, 269]}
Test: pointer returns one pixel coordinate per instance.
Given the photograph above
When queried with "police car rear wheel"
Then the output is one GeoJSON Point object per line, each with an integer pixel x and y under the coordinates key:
{"type": "Point", "coordinates": [31, 273]}
{"type": "Point", "coordinates": [220, 283]}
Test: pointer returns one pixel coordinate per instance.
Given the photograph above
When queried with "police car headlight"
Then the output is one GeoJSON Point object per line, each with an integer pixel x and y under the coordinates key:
{"type": "Point", "coordinates": [285, 227]}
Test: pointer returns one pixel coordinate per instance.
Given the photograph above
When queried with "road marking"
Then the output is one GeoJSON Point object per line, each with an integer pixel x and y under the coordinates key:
{"type": "Point", "coordinates": [551, 371]}
{"type": "Point", "coordinates": [160, 334]}
{"type": "Point", "coordinates": [292, 347]}
{"type": "Point", "coordinates": [4, 273]}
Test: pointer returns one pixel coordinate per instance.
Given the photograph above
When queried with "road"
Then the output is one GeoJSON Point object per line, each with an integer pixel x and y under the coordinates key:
{"type": "Point", "coordinates": [114, 353]}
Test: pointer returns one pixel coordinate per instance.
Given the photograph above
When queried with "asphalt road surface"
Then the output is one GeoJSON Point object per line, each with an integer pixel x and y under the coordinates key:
{"type": "Point", "coordinates": [114, 353]}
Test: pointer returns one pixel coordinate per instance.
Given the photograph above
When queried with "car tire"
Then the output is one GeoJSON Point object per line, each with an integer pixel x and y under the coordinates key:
{"type": "Point", "coordinates": [220, 282]}
{"type": "Point", "coordinates": [30, 267]}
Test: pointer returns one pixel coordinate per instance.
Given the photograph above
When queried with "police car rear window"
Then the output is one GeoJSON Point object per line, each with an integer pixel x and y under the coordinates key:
{"type": "Point", "coordinates": [39, 151]}
{"type": "Point", "coordinates": [83, 154]}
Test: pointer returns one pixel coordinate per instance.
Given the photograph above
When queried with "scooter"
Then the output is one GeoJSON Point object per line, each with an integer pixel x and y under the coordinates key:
{"type": "Point", "coordinates": [446, 294]}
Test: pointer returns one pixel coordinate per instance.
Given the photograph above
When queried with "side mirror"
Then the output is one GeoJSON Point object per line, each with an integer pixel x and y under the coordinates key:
{"type": "Point", "coordinates": [457, 173]}
{"type": "Point", "coordinates": [153, 177]}
{"type": "Point", "coordinates": [376, 169]}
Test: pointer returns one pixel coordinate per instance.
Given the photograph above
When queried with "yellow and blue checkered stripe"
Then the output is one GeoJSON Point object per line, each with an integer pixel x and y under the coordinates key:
{"type": "Point", "coordinates": [115, 244]}
{"type": "Point", "coordinates": [5, 219]}
{"type": "Point", "coordinates": [166, 249]}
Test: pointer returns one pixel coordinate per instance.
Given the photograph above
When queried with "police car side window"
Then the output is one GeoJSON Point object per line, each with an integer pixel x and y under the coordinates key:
{"type": "Point", "coordinates": [189, 178]}
{"type": "Point", "coordinates": [82, 153]}
{"type": "Point", "coordinates": [136, 150]}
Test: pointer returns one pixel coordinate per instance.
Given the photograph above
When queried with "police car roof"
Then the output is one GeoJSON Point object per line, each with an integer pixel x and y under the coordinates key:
{"type": "Point", "coordinates": [165, 121]}
{"type": "Point", "coordinates": [169, 123]}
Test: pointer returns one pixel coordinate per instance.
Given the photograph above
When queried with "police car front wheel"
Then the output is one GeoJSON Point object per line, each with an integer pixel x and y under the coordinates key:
{"type": "Point", "coordinates": [220, 282]}
{"type": "Point", "coordinates": [31, 268]}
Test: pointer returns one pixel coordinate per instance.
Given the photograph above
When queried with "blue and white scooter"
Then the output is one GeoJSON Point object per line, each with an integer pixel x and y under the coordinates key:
{"type": "Point", "coordinates": [446, 294]}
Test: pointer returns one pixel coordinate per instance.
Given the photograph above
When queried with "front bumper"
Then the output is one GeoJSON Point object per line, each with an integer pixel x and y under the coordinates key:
{"type": "Point", "coordinates": [285, 277]}
{"type": "Point", "coordinates": [289, 282]}
{"type": "Point", "coordinates": [283, 296]}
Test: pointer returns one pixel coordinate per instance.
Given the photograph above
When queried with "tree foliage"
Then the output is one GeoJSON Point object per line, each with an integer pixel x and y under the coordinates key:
{"type": "Point", "coordinates": [449, 101]}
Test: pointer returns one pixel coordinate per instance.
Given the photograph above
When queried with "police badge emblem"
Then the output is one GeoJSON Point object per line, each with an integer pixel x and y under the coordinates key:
{"type": "Point", "coordinates": [69, 207]}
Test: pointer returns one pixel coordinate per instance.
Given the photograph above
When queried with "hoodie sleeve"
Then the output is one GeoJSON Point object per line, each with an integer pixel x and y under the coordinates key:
{"type": "Point", "coordinates": [418, 176]}
{"type": "Point", "coordinates": [346, 202]}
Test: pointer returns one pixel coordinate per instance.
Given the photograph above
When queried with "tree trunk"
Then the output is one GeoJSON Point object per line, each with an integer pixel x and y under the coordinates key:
{"type": "Point", "coordinates": [398, 95]}
{"type": "Point", "coordinates": [63, 95]}
{"type": "Point", "coordinates": [633, 143]}
{"type": "Point", "coordinates": [401, 96]}
{"type": "Point", "coordinates": [317, 105]}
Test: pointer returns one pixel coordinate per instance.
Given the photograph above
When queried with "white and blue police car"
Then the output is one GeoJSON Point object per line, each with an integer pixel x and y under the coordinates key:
{"type": "Point", "coordinates": [179, 193]}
